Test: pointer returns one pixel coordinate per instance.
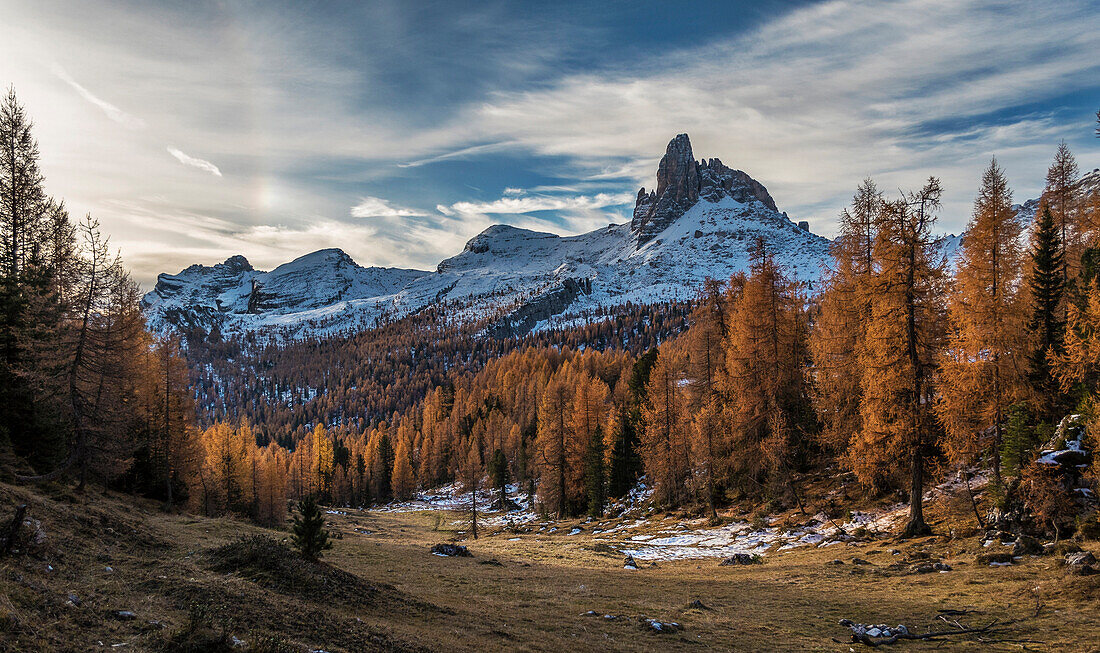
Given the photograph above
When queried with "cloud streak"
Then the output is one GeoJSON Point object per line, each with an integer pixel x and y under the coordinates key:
{"type": "Point", "coordinates": [194, 162]}
{"type": "Point", "coordinates": [111, 111]}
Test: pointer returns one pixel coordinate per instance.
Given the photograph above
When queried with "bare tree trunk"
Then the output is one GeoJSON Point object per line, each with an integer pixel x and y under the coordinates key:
{"type": "Point", "coordinates": [13, 529]}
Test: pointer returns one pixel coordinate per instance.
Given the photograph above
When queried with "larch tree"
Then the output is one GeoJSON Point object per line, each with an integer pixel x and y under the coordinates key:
{"type": "Point", "coordinates": [404, 483]}
{"type": "Point", "coordinates": [664, 443]}
{"type": "Point", "coordinates": [557, 452]}
{"type": "Point", "coordinates": [1077, 368]}
{"type": "Point", "coordinates": [766, 357]}
{"type": "Point", "coordinates": [840, 314]}
{"type": "Point", "coordinates": [470, 472]}
{"type": "Point", "coordinates": [321, 464]}
{"type": "Point", "coordinates": [588, 413]}
{"type": "Point", "coordinates": [903, 335]}
{"type": "Point", "coordinates": [984, 366]}
{"type": "Point", "coordinates": [706, 430]}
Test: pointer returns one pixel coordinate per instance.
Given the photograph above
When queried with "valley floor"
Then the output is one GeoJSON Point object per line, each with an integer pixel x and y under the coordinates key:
{"type": "Point", "coordinates": [109, 575]}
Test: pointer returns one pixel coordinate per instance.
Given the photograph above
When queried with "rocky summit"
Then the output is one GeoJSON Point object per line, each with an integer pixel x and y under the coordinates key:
{"type": "Point", "coordinates": [700, 222]}
{"type": "Point", "coordinates": [682, 181]}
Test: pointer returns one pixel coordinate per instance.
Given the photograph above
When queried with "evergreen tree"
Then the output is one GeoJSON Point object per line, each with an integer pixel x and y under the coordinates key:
{"type": "Point", "coordinates": [625, 463]}
{"type": "Point", "coordinates": [1047, 286]}
{"type": "Point", "coordinates": [499, 477]}
{"type": "Point", "coordinates": [1019, 439]}
{"type": "Point", "coordinates": [386, 457]}
{"type": "Point", "coordinates": [22, 200]}
{"type": "Point", "coordinates": [1062, 197]}
{"type": "Point", "coordinates": [308, 534]}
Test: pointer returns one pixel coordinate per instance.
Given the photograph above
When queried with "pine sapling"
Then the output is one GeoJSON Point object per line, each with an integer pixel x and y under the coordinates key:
{"type": "Point", "coordinates": [309, 534]}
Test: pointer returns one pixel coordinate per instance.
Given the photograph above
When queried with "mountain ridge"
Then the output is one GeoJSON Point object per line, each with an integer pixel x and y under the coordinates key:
{"type": "Point", "coordinates": [699, 222]}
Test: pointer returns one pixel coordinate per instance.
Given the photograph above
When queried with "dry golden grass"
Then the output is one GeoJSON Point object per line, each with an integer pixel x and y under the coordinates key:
{"type": "Point", "coordinates": [511, 595]}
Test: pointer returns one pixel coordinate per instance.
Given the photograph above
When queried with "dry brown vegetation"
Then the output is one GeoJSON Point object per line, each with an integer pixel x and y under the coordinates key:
{"type": "Point", "coordinates": [381, 589]}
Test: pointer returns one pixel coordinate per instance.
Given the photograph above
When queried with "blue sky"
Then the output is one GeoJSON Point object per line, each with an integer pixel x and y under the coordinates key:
{"type": "Point", "coordinates": [398, 130]}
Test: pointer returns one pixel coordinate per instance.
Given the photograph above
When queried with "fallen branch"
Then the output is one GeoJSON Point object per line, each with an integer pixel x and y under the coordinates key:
{"type": "Point", "coordinates": [862, 633]}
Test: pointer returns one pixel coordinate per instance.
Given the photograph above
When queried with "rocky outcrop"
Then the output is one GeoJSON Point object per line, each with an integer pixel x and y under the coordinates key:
{"type": "Point", "coordinates": [523, 320]}
{"type": "Point", "coordinates": [682, 181]}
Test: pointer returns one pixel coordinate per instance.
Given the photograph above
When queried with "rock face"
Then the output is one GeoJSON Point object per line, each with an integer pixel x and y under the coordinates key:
{"type": "Point", "coordinates": [682, 181]}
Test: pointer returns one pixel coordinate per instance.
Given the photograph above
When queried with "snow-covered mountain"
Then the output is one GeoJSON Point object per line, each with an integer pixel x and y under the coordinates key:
{"type": "Point", "coordinates": [318, 289]}
{"type": "Point", "coordinates": [700, 221]}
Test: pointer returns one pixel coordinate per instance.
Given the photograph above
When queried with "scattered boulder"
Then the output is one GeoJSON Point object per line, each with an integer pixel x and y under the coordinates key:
{"type": "Point", "coordinates": [628, 563]}
{"type": "Point", "coordinates": [1067, 448]}
{"type": "Point", "coordinates": [124, 615]}
{"type": "Point", "coordinates": [741, 559]}
{"type": "Point", "coordinates": [663, 627]}
{"type": "Point", "coordinates": [1080, 558]}
{"type": "Point", "coordinates": [450, 550]}
{"type": "Point", "coordinates": [1027, 546]}
{"type": "Point", "coordinates": [1081, 563]}
{"type": "Point", "coordinates": [941, 566]}
{"type": "Point", "coordinates": [697, 605]}
{"type": "Point", "coordinates": [864, 632]}
{"type": "Point", "coordinates": [859, 561]}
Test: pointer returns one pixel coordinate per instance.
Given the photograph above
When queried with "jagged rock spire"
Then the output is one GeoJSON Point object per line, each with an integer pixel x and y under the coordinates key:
{"type": "Point", "coordinates": [681, 182]}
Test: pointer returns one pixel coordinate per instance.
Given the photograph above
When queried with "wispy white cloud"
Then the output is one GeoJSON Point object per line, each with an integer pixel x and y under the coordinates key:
{"type": "Point", "coordinates": [376, 207]}
{"type": "Point", "coordinates": [112, 112]}
{"type": "Point", "coordinates": [511, 205]}
{"type": "Point", "coordinates": [194, 162]}
{"type": "Point", "coordinates": [514, 191]}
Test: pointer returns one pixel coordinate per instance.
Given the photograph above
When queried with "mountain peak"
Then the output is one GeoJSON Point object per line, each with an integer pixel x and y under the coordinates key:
{"type": "Point", "coordinates": [682, 181]}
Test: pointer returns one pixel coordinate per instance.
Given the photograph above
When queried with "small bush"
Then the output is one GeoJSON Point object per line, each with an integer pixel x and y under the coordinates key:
{"type": "Point", "coordinates": [203, 632]}
{"type": "Point", "coordinates": [1088, 526]}
{"type": "Point", "coordinates": [272, 564]}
